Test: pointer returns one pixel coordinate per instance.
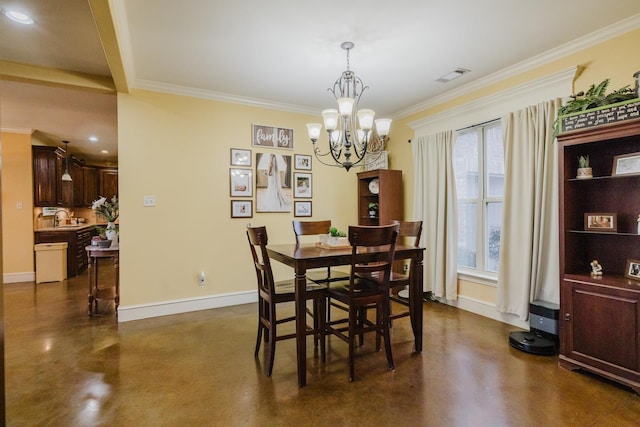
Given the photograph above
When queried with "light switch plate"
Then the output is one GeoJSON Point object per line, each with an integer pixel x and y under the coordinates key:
{"type": "Point", "coordinates": [149, 200]}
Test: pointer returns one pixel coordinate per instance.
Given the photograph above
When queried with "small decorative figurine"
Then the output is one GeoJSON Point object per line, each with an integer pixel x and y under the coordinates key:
{"type": "Point", "coordinates": [596, 268]}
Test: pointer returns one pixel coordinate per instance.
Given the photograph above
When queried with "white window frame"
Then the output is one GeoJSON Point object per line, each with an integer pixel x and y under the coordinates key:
{"type": "Point", "coordinates": [481, 201]}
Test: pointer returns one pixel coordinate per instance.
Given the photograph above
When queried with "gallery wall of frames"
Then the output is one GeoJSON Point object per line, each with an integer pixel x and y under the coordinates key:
{"type": "Point", "coordinates": [264, 181]}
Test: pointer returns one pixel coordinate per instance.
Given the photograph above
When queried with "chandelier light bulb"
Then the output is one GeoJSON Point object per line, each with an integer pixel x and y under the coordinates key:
{"type": "Point", "coordinates": [365, 118]}
{"type": "Point", "coordinates": [330, 118]}
{"type": "Point", "coordinates": [383, 126]}
{"type": "Point", "coordinates": [345, 106]}
{"type": "Point", "coordinates": [313, 130]}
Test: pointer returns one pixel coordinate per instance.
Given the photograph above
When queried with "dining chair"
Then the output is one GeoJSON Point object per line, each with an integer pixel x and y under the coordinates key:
{"type": "Point", "coordinates": [359, 292]}
{"type": "Point", "coordinates": [317, 228]}
{"type": "Point", "coordinates": [271, 293]}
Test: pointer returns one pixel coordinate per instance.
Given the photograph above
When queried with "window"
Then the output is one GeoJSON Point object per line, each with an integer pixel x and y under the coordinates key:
{"type": "Point", "coordinates": [479, 171]}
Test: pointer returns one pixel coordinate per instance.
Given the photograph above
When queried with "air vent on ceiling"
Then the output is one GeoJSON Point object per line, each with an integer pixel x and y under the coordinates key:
{"type": "Point", "coordinates": [453, 75]}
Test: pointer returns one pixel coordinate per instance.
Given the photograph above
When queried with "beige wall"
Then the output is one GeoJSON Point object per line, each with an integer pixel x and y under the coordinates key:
{"type": "Point", "coordinates": [615, 59]}
{"type": "Point", "coordinates": [178, 149]}
{"type": "Point", "coordinates": [17, 207]}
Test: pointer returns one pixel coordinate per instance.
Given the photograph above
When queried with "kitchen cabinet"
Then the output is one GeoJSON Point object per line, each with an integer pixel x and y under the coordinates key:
{"type": "Point", "coordinates": [77, 240]}
{"type": "Point", "coordinates": [45, 176]}
{"type": "Point", "coordinates": [599, 314]}
{"type": "Point", "coordinates": [90, 178]}
{"type": "Point", "coordinates": [382, 186]}
{"type": "Point", "coordinates": [88, 182]}
{"type": "Point", "coordinates": [108, 182]}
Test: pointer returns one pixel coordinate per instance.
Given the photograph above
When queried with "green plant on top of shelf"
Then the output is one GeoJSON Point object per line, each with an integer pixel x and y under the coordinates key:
{"type": "Point", "coordinates": [373, 206]}
{"type": "Point", "coordinates": [583, 161]}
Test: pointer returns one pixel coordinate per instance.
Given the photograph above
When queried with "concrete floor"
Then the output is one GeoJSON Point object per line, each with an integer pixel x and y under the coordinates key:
{"type": "Point", "coordinates": [197, 369]}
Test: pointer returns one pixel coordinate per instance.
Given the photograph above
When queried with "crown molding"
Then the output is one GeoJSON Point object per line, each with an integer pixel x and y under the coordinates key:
{"type": "Point", "coordinates": [629, 24]}
{"type": "Point", "coordinates": [490, 107]}
{"type": "Point", "coordinates": [220, 96]}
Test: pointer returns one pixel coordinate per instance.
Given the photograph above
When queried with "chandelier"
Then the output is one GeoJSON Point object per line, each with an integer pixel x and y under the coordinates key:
{"type": "Point", "coordinates": [348, 143]}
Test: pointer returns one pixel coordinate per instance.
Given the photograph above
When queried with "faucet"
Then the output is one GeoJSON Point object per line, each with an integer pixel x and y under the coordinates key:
{"type": "Point", "coordinates": [56, 220]}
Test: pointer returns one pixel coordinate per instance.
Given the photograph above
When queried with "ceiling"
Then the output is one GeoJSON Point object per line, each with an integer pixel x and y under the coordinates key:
{"type": "Point", "coordinates": [278, 54]}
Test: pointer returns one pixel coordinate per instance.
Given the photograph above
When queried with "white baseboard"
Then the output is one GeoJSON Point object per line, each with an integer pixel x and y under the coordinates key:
{"type": "Point", "coordinates": [19, 277]}
{"type": "Point", "coordinates": [487, 310]}
{"type": "Point", "coordinates": [165, 308]}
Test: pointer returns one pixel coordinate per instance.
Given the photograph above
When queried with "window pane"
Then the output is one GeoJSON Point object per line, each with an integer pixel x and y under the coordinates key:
{"type": "Point", "coordinates": [465, 164]}
{"type": "Point", "coordinates": [492, 247]}
{"type": "Point", "coordinates": [495, 162]}
{"type": "Point", "coordinates": [467, 235]}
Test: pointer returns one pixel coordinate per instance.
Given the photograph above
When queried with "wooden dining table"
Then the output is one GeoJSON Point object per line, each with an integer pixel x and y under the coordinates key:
{"type": "Point", "coordinates": [302, 257]}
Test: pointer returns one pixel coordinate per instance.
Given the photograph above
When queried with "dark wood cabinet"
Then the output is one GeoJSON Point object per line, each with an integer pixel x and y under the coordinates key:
{"type": "Point", "coordinates": [599, 315]}
{"type": "Point", "coordinates": [90, 177]}
{"type": "Point", "coordinates": [384, 187]}
{"type": "Point", "coordinates": [88, 182]}
{"type": "Point", "coordinates": [108, 182]}
{"type": "Point", "coordinates": [45, 176]}
{"type": "Point", "coordinates": [77, 240]}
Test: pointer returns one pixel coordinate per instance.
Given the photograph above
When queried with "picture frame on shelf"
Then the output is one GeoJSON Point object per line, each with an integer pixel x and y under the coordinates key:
{"type": "Point", "coordinates": [632, 271]}
{"type": "Point", "coordinates": [626, 164]}
{"type": "Point", "coordinates": [302, 185]}
{"type": "Point", "coordinates": [241, 208]}
{"type": "Point", "coordinates": [240, 182]}
{"type": "Point", "coordinates": [302, 162]}
{"type": "Point", "coordinates": [302, 208]}
{"type": "Point", "coordinates": [240, 157]}
{"type": "Point", "coordinates": [601, 221]}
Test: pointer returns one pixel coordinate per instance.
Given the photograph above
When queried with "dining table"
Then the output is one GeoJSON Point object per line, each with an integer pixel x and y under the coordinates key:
{"type": "Point", "coordinates": [302, 257]}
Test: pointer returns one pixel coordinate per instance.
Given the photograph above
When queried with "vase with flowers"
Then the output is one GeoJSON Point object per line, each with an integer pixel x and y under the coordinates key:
{"type": "Point", "coordinates": [110, 210]}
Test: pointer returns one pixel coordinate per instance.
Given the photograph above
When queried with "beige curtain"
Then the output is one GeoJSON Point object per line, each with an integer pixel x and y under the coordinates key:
{"type": "Point", "coordinates": [435, 203]}
{"type": "Point", "coordinates": [529, 254]}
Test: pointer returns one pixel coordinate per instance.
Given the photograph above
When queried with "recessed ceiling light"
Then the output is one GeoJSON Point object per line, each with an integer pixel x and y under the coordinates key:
{"type": "Point", "coordinates": [19, 17]}
{"type": "Point", "coordinates": [453, 75]}
{"type": "Point", "coordinates": [93, 138]}
{"type": "Point", "coordinates": [104, 151]}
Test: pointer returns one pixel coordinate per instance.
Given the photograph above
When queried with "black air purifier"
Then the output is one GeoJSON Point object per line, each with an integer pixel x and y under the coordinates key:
{"type": "Point", "coordinates": [543, 335]}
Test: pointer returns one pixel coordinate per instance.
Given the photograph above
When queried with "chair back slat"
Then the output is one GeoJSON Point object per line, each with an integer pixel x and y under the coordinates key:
{"type": "Point", "coordinates": [363, 238]}
{"type": "Point", "coordinates": [307, 228]}
{"type": "Point", "coordinates": [258, 239]}
{"type": "Point", "coordinates": [409, 229]}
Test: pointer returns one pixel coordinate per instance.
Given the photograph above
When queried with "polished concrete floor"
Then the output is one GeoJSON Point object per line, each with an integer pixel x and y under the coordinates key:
{"type": "Point", "coordinates": [198, 369]}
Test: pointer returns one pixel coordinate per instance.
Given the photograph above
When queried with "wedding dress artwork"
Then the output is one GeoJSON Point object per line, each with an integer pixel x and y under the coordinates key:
{"type": "Point", "coordinates": [273, 199]}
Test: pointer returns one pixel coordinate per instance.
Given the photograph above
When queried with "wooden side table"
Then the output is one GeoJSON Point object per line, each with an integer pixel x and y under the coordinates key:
{"type": "Point", "coordinates": [106, 293]}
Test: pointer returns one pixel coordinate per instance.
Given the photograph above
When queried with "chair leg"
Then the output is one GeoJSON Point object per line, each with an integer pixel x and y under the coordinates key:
{"type": "Point", "coordinates": [387, 336]}
{"type": "Point", "coordinates": [259, 340]}
{"type": "Point", "coordinates": [321, 331]}
{"type": "Point", "coordinates": [353, 318]}
{"type": "Point", "coordinates": [272, 349]}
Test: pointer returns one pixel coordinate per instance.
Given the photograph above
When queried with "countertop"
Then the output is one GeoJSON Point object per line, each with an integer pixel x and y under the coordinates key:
{"type": "Point", "coordinates": [67, 227]}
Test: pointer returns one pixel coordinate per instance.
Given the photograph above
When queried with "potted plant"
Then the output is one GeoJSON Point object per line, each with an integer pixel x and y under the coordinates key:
{"type": "Point", "coordinates": [584, 171]}
{"type": "Point", "coordinates": [373, 209]}
{"type": "Point", "coordinates": [337, 237]}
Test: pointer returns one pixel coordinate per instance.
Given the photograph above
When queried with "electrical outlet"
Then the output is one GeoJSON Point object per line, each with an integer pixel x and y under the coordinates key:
{"type": "Point", "coordinates": [201, 279]}
{"type": "Point", "coordinates": [406, 268]}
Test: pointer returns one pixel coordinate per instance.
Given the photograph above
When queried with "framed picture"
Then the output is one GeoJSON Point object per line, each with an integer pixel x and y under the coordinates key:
{"type": "Point", "coordinates": [606, 222]}
{"type": "Point", "coordinates": [376, 161]}
{"type": "Point", "coordinates": [302, 185]}
{"type": "Point", "coordinates": [273, 183]}
{"type": "Point", "coordinates": [302, 208]}
{"type": "Point", "coordinates": [240, 157]}
{"type": "Point", "coordinates": [626, 164]}
{"type": "Point", "coordinates": [272, 137]}
{"type": "Point", "coordinates": [241, 182]}
{"type": "Point", "coordinates": [302, 162]}
{"type": "Point", "coordinates": [241, 208]}
{"type": "Point", "coordinates": [633, 269]}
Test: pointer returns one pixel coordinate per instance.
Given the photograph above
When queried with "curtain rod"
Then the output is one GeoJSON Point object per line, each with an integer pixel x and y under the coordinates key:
{"type": "Point", "coordinates": [469, 127]}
